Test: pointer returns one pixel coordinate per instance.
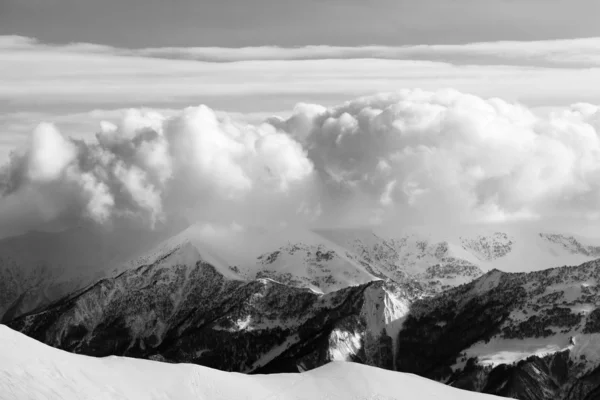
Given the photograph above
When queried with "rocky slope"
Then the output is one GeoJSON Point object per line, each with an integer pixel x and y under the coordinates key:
{"type": "Point", "coordinates": [530, 336]}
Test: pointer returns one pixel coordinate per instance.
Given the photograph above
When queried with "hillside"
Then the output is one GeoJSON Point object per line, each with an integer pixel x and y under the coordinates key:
{"type": "Point", "coordinates": [532, 336]}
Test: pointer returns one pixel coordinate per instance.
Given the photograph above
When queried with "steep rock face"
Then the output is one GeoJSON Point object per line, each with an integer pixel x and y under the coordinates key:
{"type": "Point", "coordinates": [370, 335]}
{"type": "Point", "coordinates": [529, 336]}
{"type": "Point", "coordinates": [183, 309]}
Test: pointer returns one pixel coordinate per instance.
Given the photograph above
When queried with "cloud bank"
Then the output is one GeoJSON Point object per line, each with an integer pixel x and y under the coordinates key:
{"type": "Point", "coordinates": [80, 77]}
{"type": "Point", "coordinates": [62, 83]}
{"type": "Point", "coordinates": [411, 156]}
{"type": "Point", "coordinates": [557, 53]}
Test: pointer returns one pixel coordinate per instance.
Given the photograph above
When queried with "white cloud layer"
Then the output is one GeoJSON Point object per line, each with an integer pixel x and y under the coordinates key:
{"type": "Point", "coordinates": [565, 52]}
{"type": "Point", "coordinates": [412, 156]}
{"type": "Point", "coordinates": [257, 79]}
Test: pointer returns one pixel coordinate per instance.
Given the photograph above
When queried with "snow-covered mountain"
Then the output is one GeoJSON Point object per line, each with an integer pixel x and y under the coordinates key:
{"type": "Point", "coordinates": [183, 308]}
{"type": "Point", "coordinates": [41, 267]}
{"type": "Point", "coordinates": [33, 371]}
{"type": "Point", "coordinates": [329, 259]}
{"type": "Point", "coordinates": [532, 336]}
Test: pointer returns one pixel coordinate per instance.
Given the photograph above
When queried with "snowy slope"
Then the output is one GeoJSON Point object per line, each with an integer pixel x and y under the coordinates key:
{"type": "Point", "coordinates": [31, 370]}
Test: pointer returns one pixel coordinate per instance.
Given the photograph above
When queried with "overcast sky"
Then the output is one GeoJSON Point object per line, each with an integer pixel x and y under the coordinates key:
{"type": "Point", "coordinates": [234, 23]}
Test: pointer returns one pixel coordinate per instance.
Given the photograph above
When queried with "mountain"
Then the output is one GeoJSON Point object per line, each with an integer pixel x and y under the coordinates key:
{"type": "Point", "coordinates": [532, 336]}
{"type": "Point", "coordinates": [509, 247]}
{"type": "Point", "coordinates": [39, 268]}
{"type": "Point", "coordinates": [329, 259]}
{"type": "Point", "coordinates": [183, 308]}
{"type": "Point", "coordinates": [31, 370]}
{"type": "Point", "coordinates": [286, 300]}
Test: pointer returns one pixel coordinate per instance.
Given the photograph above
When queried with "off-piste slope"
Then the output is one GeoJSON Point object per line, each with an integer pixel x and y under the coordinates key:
{"type": "Point", "coordinates": [31, 370]}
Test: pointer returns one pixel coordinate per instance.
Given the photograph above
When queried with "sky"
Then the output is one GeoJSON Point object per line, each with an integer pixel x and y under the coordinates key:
{"type": "Point", "coordinates": [331, 112]}
{"type": "Point", "coordinates": [235, 23]}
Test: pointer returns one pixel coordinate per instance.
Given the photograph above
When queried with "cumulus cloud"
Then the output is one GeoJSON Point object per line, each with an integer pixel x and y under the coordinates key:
{"type": "Point", "coordinates": [450, 156]}
{"type": "Point", "coordinates": [150, 167]}
{"type": "Point", "coordinates": [412, 156]}
{"type": "Point", "coordinates": [48, 154]}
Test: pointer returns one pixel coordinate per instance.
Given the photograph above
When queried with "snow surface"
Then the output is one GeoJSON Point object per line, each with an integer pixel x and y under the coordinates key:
{"type": "Point", "coordinates": [508, 351]}
{"type": "Point", "coordinates": [31, 370]}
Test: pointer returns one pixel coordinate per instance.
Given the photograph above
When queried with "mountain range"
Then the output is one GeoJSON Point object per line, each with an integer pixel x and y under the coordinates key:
{"type": "Point", "coordinates": [493, 309]}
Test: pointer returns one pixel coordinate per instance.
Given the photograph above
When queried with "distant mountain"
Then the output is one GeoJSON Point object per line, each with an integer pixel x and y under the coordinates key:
{"type": "Point", "coordinates": [31, 370]}
{"type": "Point", "coordinates": [41, 267]}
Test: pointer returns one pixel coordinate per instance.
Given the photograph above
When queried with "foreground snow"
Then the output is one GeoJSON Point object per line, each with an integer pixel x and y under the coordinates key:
{"type": "Point", "coordinates": [31, 370]}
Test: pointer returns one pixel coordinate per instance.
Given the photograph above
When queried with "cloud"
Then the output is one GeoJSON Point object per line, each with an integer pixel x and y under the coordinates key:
{"type": "Point", "coordinates": [408, 157]}
{"type": "Point", "coordinates": [549, 53]}
{"type": "Point", "coordinates": [86, 76]}
{"type": "Point", "coordinates": [16, 127]}
{"type": "Point", "coordinates": [580, 52]}
{"type": "Point", "coordinates": [49, 153]}
{"type": "Point", "coordinates": [150, 167]}
{"type": "Point", "coordinates": [447, 156]}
